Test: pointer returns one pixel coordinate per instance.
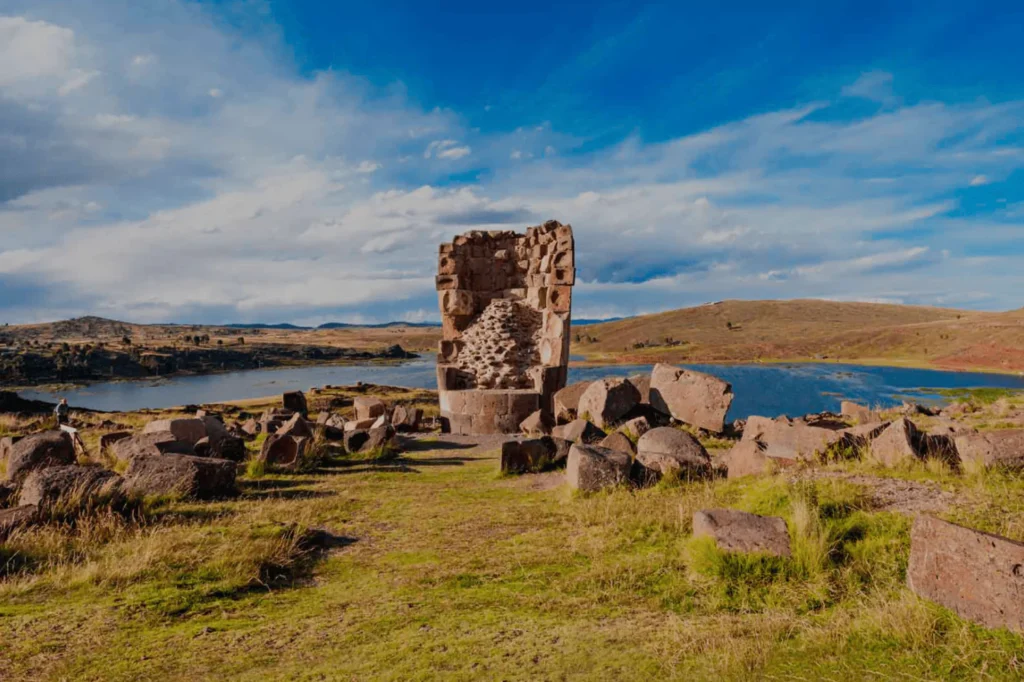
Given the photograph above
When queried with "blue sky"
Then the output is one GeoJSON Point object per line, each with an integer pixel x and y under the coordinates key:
{"type": "Point", "coordinates": [300, 161]}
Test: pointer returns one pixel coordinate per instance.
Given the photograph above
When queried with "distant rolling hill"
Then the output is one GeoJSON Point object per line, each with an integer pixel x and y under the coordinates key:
{"type": "Point", "coordinates": [745, 331]}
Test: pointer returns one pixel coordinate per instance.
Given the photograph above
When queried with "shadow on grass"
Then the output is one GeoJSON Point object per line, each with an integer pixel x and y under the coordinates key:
{"type": "Point", "coordinates": [429, 445]}
{"type": "Point", "coordinates": [287, 494]}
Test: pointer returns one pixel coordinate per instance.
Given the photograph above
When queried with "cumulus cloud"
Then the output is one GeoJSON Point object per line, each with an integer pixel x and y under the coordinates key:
{"type": "Point", "coordinates": [140, 194]}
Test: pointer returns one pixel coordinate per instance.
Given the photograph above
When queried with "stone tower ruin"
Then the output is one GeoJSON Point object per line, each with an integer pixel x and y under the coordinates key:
{"type": "Point", "coordinates": [505, 308]}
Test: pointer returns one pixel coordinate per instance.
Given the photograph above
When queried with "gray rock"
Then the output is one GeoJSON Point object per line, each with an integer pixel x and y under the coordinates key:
{"type": "Point", "coordinates": [974, 574]}
{"type": "Point", "coordinates": [567, 400]}
{"type": "Point", "coordinates": [737, 531]}
{"type": "Point", "coordinates": [665, 449]}
{"type": "Point", "coordinates": [39, 451]}
{"type": "Point", "coordinates": [71, 486]}
{"type": "Point", "coordinates": [1003, 448]}
{"type": "Point", "coordinates": [591, 468]}
{"type": "Point", "coordinates": [618, 441]}
{"type": "Point", "coordinates": [578, 431]}
{"type": "Point", "coordinates": [185, 475]}
{"type": "Point", "coordinates": [607, 401]}
{"type": "Point", "coordinates": [698, 399]}
{"type": "Point", "coordinates": [528, 456]}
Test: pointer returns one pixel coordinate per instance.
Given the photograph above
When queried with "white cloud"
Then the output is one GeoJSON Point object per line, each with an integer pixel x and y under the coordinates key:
{"type": "Point", "coordinates": [979, 180]}
{"type": "Point", "coordinates": [446, 149]}
{"type": "Point", "coordinates": [216, 93]}
{"type": "Point", "coordinates": [320, 197]}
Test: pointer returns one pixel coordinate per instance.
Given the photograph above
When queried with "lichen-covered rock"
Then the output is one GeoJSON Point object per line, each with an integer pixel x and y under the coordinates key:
{"type": "Point", "coordinates": [737, 531]}
{"type": "Point", "coordinates": [666, 450]}
{"type": "Point", "coordinates": [789, 441]}
{"type": "Point", "coordinates": [591, 468]}
{"type": "Point", "coordinates": [39, 451]}
{"type": "Point", "coordinates": [71, 486]}
{"type": "Point", "coordinates": [900, 442]}
{"type": "Point", "coordinates": [693, 397]}
{"type": "Point", "coordinates": [975, 574]}
{"type": "Point", "coordinates": [199, 478]}
{"type": "Point", "coordinates": [607, 401]}
{"type": "Point", "coordinates": [618, 441]}
{"type": "Point", "coordinates": [1003, 448]}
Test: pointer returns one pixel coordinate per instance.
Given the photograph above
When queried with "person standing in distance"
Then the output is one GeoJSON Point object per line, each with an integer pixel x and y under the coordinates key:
{"type": "Point", "coordinates": [62, 411]}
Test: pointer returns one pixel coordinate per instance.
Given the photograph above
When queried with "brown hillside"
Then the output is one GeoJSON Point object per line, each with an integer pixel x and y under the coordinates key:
{"type": "Point", "coordinates": [746, 331]}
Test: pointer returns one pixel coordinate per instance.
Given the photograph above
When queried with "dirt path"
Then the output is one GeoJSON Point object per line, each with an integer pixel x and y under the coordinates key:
{"type": "Point", "coordinates": [898, 495]}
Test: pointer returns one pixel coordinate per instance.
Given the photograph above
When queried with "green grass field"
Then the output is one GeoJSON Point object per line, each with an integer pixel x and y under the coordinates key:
{"type": "Point", "coordinates": [442, 569]}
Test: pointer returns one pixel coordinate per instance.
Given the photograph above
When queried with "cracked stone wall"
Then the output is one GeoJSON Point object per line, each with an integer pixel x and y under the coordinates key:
{"type": "Point", "coordinates": [505, 303]}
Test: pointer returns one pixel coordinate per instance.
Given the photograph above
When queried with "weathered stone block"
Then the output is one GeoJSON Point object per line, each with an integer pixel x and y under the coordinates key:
{"type": "Point", "coordinates": [737, 531]}
{"type": "Point", "coordinates": [977, 575]}
{"type": "Point", "coordinates": [591, 468]}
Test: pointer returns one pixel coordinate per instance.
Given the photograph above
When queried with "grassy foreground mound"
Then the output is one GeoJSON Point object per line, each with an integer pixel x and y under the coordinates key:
{"type": "Point", "coordinates": [435, 567]}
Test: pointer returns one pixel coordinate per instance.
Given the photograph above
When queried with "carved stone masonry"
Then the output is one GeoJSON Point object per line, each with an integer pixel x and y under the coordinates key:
{"type": "Point", "coordinates": [505, 308]}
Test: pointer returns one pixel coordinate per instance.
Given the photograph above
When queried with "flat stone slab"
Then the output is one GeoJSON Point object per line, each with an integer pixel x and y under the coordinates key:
{"type": "Point", "coordinates": [977, 575]}
{"type": "Point", "coordinates": [738, 531]}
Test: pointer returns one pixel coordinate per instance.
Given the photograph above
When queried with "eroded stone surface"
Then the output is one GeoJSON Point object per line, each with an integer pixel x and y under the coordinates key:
{"type": "Point", "coordinates": [667, 450]}
{"type": "Point", "coordinates": [1002, 448]}
{"type": "Point", "coordinates": [977, 575]}
{"type": "Point", "coordinates": [591, 468]}
{"type": "Point", "coordinates": [737, 531]}
{"type": "Point", "coordinates": [607, 401]}
{"type": "Point", "coordinates": [692, 397]}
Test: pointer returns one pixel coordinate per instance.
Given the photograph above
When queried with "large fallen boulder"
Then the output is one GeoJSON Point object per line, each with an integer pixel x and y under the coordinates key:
{"type": "Point", "coordinates": [200, 478]}
{"type": "Point", "coordinates": [975, 574]}
{"type": "Point", "coordinates": [297, 427]}
{"type": "Point", "coordinates": [378, 440]}
{"type": "Point", "coordinates": [39, 451]}
{"type": "Point", "coordinates": [665, 450]}
{"type": "Point", "coordinates": [607, 401]}
{"type": "Point", "coordinates": [189, 430]}
{"type": "Point", "coordinates": [697, 399]}
{"type": "Point", "coordinates": [295, 401]}
{"type": "Point", "coordinates": [148, 445]}
{"type": "Point", "coordinates": [567, 400]}
{"type": "Point", "coordinates": [368, 407]}
{"type": "Point", "coordinates": [283, 451]}
{"type": "Point", "coordinates": [1003, 448]}
{"type": "Point", "coordinates": [790, 441]}
{"type": "Point", "coordinates": [578, 431]}
{"type": "Point", "coordinates": [71, 487]}
{"type": "Point", "coordinates": [643, 387]}
{"type": "Point", "coordinates": [737, 531]}
{"type": "Point", "coordinates": [636, 427]}
{"type": "Point", "coordinates": [406, 419]}
{"type": "Point", "coordinates": [591, 468]}
{"type": "Point", "coordinates": [900, 442]}
{"type": "Point", "coordinates": [618, 441]}
{"type": "Point", "coordinates": [747, 458]}
{"type": "Point", "coordinates": [529, 455]}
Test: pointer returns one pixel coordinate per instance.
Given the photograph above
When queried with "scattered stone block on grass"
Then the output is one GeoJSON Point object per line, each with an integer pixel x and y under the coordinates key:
{"type": "Point", "coordinates": [1003, 448]}
{"type": "Point", "coordinates": [528, 456]}
{"type": "Point", "coordinates": [71, 486]}
{"type": "Point", "coordinates": [190, 430]}
{"type": "Point", "coordinates": [897, 444]}
{"type": "Point", "coordinates": [607, 401]}
{"type": "Point", "coordinates": [39, 451]}
{"type": "Point", "coordinates": [666, 450]}
{"type": "Point", "coordinates": [283, 450]}
{"type": "Point", "coordinates": [977, 575]}
{"type": "Point", "coordinates": [406, 419]}
{"type": "Point", "coordinates": [295, 401]}
{"type": "Point", "coordinates": [368, 407]}
{"type": "Point", "coordinates": [738, 531]}
{"type": "Point", "coordinates": [200, 478]}
{"type": "Point", "coordinates": [692, 397]}
{"type": "Point", "coordinates": [591, 468]}
{"type": "Point", "coordinates": [747, 458]}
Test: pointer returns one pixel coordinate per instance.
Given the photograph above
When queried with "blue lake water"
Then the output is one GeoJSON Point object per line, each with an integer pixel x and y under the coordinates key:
{"type": "Point", "coordinates": [769, 390]}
